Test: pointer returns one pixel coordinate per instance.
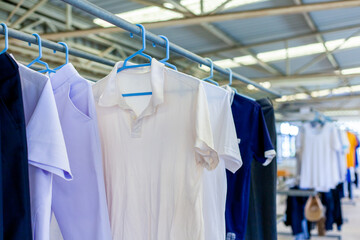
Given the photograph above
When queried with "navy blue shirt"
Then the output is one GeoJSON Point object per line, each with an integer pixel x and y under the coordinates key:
{"type": "Point", "coordinates": [255, 143]}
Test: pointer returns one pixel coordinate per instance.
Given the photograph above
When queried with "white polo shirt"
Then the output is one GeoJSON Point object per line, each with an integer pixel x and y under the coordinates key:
{"type": "Point", "coordinates": [154, 151]}
{"type": "Point", "coordinates": [46, 147]}
{"type": "Point", "coordinates": [226, 145]}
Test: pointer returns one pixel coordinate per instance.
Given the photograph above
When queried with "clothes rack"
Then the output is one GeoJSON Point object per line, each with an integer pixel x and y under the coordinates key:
{"type": "Point", "coordinates": [55, 46]}
{"type": "Point", "coordinates": [119, 22]}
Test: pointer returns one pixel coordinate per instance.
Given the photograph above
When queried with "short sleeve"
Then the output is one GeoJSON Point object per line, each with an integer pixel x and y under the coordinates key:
{"type": "Point", "coordinates": [46, 144]}
{"type": "Point", "coordinates": [226, 142]}
{"type": "Point", "coordinates": [261, 143]}
{"type": "Point", "coordinates": [204, 145]}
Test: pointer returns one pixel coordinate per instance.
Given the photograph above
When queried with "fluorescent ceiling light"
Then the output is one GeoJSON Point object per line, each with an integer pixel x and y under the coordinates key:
{"type": "Point", "coordinates": [265, 84]}
{"type": "Point", "coordinates": [341, 90]}
{"type": "Point", "coordinates": [251, 87]}
{"type": "Point", "coordinates": [237, 3]}
{"type": "Point", "coordinates": [300, 51]}
{"type": "Point", "coordinates": [168, 5]}
{"type": "Point", "coordinates": [355, 88]}
{"type": "Point", "coordinates": [282, 99]}
{"type": "Point", "coordinates": [210, 5]}
{"type": "Point", "coordinates": [292, 52]}
{"type": "Point", "coordinates": [227, 63]}
{"type": "Point", "coordinates": [287, 98]}
{"type": "Point", "coordinates": [246, 60]}
{"type": "Point", "coordinates": [157, 14]}
{"type": "Point", "coordinates": [350, 71]}
{"type": "Point", "coordinates": [321, 93]}
{"type": "Point", "coordinates": [300, 96]}
{"type": "Point", "coordinates": [147, 14]}
{"type": "Point", "coordinates": [204, 67]}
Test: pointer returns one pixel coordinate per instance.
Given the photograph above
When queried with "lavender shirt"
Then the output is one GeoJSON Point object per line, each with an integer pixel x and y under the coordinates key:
{"type": "Point", "coordinates": [80, 205]}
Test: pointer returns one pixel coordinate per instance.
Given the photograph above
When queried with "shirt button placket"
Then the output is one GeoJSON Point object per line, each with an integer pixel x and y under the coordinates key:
{"type": "Point", "coordinates": [136, 128]}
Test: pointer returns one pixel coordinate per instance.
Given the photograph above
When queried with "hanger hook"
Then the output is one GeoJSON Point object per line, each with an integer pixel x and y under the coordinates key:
{"type": "Point", "coordinates": [66, 51]}
{"type": "Point", "coordinates": [6, 34]}
{"type": "Point", "coordinates": [143, 35]}
{"type": "Point", "coordinates": [167, 48]}
{"type": "Point", "coordinates": [38, 39]}
{"type": "Point", "coordinates": [230, 76]}
{"type": "Point", "coordinates": [211, 68]}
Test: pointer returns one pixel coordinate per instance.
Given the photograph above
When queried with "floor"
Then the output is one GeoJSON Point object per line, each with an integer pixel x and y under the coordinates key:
{"type": "Point", "coordinates": [350, 229]}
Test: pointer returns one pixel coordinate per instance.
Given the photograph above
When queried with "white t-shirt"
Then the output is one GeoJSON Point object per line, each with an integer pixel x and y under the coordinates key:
{"type": "Point", "coordinates": [319, 165]}
{"type": "Point", "coordinates": [154, 151]}
{"type": "Point", "coordinates": [46, 147]}
{"type": "Point", "coordinates": [226, 145]}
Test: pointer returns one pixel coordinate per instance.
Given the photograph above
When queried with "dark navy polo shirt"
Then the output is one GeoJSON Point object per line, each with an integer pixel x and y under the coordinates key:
{"type": "Point", "coordinates": [254, 143]}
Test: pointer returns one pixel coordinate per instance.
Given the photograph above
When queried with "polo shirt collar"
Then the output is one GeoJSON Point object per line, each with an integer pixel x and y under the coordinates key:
{"type": "Point", "coordinates": [111, 95]}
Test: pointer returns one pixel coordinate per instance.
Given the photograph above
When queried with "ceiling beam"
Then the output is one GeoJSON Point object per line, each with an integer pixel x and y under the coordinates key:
{"type": "Point", "coordinates": [28, 13]}
{"type": "Point", "coordinates": [157, 4]}
{"type": "Point", "coordinates": [343, 97]}
{"type": "Point", "coordinates": [195, 20]}
{"type": "Point", "coordinates": [310, 22]}
{"type": "Point", "coordinates": [58, 18]}
{"type": "Point", "coordinates": [305, 76]}
{"type": "Point", "coordinates": [296, 37]}
{"type": "Point", "coordinates": [12, 13]}
{"type": "Point", "coordinates": [220, 7]}
{"type": "Point", "coordinates": [323, 55]}
{"type": "Point", "coordinates": [68, 17]}
{"type": "Point", "coordinates": [220, 34]}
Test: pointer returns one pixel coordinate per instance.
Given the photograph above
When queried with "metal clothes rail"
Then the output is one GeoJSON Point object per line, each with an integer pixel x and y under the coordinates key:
{"type": "Point", "coordinates": [55, 46]}
{"type": "Point", "coordinates": [119, 22]}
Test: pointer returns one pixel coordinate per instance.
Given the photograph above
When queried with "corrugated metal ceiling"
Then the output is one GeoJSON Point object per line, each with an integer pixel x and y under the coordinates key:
{"type": "Point", "coordinates": [255, 31]}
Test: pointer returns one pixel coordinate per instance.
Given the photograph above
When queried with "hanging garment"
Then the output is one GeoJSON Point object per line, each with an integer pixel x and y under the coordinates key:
{"type": "Point", "coordinates": [46, 147]}
{"type": "Point", "coordinates": [327, 199]}
{"type": "Point", "coordinates": [262, 205]}
{"type": "Point", "coordinates": [254, 142]}
{"type": "Point", "coordinates": [154, 151]}
{"type": "Point", "coordinates": [294, 214]}
{"type": "Point", "coordinates": [351, 155]}
{"type": "Point", "coordinates": [226, 145]}
{"type": "Point", "coordinates": [319, 146]}
{"type": "Point", "coordinates": [341, 155]}
{"type": "Point", "coordinates": [15, 217]}
{"type": "Point", "coordinates": [79, 205]}
{"type": "Point", "coordinates": [349, 181]}
{"type": "Point", "coordinates": [337, 194]}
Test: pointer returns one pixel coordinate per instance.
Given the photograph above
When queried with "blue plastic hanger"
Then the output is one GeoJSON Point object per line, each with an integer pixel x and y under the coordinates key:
{"type": "Point", "coordinates": [230, 79]}
{"type": "Point", "coordinates": [167, 54]}
{"type": "Point", "coordinates": [317, 119]}
{"type": "Point", "coordinates": [209, 79]}
{"type": "Point", "coordinates": [37, 60]}
{"type": "Point", "coordinates": [66, 55]}
{"type": "Point", "coordinates": [6, 34]}
{"type": "Point", "coordinates": [138, 53]}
